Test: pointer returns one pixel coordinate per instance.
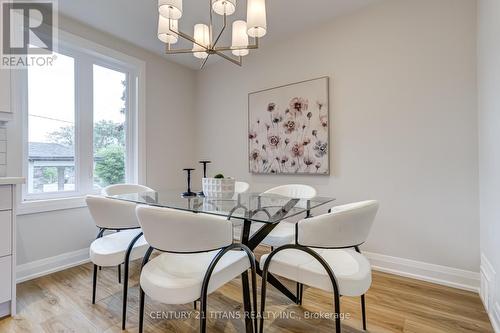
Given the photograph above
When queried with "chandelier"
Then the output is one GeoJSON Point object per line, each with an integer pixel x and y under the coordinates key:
{"type": "Point", "coordinates": [204, 43]}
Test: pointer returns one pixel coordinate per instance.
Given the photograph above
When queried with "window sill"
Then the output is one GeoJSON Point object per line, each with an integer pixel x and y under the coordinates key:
{"type": "Point", "coordinates": [49, 205]}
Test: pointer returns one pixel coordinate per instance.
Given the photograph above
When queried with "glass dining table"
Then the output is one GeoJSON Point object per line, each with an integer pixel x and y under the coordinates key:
{"type": "Point", "coordinates": [267, 209]}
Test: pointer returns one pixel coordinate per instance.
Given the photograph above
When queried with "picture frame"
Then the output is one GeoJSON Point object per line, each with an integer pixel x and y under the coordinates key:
{"type": "Point", "coordinates": [289, 129]}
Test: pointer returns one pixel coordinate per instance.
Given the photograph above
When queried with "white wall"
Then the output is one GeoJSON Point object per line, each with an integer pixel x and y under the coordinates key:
{"type": "Point", "coordinates": [489, 151]}
{"type": "Point", "coordinates": [169, 117]}
{"type": "Point", "coordinates": [403, 121]}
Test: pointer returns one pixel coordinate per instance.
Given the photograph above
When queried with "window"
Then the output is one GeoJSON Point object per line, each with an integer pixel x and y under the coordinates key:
{"type": "Point", "coordinates": [110, 113]}
{"type": "Point", "coordinates": [80, 130]}
{"type": "Point", "coordinates": [51, 127]}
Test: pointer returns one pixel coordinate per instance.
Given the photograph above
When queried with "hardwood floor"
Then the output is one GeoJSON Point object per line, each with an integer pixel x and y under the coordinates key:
{"type": "Point", "coordinates": [60, 302]}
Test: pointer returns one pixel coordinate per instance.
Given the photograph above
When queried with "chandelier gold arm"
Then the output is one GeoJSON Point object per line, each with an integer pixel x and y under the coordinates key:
{"type": "Point", "coordinates": [189, 38]}
{"type": "Point", "coordinates": [221, 31]}
{"type": "Point", "coordinates": [237, 61]}
{"type": "Point", "coordinates": [248, 47]}
{"type": "Point", "coordinates": [204, 62]}
{"type": "Point", "coordinates": [168, 50]}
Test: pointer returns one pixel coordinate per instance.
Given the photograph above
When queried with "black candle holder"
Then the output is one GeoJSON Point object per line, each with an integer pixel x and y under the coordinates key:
{"type": "Point", "coordinates": [188, 193]}
{"type": "Point", "coordinates": [204, 174]}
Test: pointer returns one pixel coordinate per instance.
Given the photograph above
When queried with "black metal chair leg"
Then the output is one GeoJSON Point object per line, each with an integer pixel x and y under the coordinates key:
{"type": "Point", "coordinates": [100, 268]}
{"type": "Point", "coordinates": [141, 309]}
{"type": "Point", "coordinates": [363, 311]}
{"type": "Point", "coordinates": [94, 284]}
{"type": "Point", "coordinates": [297, 292]}
{"type": "Point", "coordinates": [300, 289]}
{"type": "Point", "coordinates": [254, 298]}
{"type": "Point", "coordinates": [141, 291]}
{"type": "Point", "coordinates": [203, 314]}
{"type": "Point", "coordinates": [262, 301]}
{"type": "Point", "coordinates": [338, 328]}
{"type": "Point", "coordinates": [125, 292]}
{"type": "Point", "coordinates": [247, 306]}
{"type": "Point", "coordinates": [126, 266]}
{"type": "Point", "coordinates": [194, 305]}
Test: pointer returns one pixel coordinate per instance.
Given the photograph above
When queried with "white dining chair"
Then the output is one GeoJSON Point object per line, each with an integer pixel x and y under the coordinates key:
{"type": "Point", "coordinates": [119, 189]}
{"type": "Point", "coordinates": [116, 248]}
{"type": "Point", "coordinates": [284, 232]}
{"type": "Point", "coordinates": [299, 191]}
{"type": "Point", "coordinates": [327, 256]}
{"type": "Point", "coordinates": [241, 187]}
{"type": "Point", "coordinates": [189, 268]}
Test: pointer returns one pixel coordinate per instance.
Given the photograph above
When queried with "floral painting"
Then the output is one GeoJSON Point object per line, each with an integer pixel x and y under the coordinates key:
{"type": "Point", "coordinates": [288, 129]}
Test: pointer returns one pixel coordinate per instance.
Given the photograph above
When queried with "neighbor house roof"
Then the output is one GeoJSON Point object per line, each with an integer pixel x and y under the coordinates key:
{"type": "Point", "coordinates": [42, 151]}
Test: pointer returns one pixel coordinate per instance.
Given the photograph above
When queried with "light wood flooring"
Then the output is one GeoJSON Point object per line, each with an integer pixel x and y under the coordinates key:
{"type": "Point", "coordinates": [60, 302]}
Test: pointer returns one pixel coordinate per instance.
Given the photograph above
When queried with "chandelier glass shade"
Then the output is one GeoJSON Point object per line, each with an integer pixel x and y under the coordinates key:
{"type": "Point", "coordinates": [202, 39]}
{"type": "Point", "coordinates": [205, 39]}
{"type": "Point", "coordinates": [240, 38]}
{"type": "Point", "coordinates": [167, 29]}
{"type": "Point", "coordinates": [222, 7]}
{"type": "Point", "coordinates": [256, 18]}
{"type": "Point", "coordinates": [170, 9]}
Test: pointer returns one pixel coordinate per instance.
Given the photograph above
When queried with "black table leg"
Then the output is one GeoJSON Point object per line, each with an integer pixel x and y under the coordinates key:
{"type": "Point", "coordinates": [245, 233]}
{"type": "Point", "coordinates": [247, 307]}
{"type": "Point", "coordinates": [258, 237]}
{"type": "Point", "coordinates": [277, 284]}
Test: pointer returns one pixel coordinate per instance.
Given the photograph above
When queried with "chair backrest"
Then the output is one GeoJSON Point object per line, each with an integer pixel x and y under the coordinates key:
{"type": "Point", "coordinates": [125, 189]}
{"type": "Point", "coordinates": [177, 231]}
{"type": "Point", "coordinates": [111, 213]}
{"type": "Point", "coordinates": [241, 187]}
{"type": "Point", "coordinates": [346, 226]}
{"type": "Point", "coordinates": [297, 191]}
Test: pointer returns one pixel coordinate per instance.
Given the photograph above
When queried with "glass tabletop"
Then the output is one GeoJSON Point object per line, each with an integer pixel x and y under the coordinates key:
{"type": "Point", "coordinates": [256, 207]}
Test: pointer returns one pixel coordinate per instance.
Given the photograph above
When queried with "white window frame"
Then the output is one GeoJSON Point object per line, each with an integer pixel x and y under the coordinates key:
{"type": "Point", "coordinates": [86, 54]}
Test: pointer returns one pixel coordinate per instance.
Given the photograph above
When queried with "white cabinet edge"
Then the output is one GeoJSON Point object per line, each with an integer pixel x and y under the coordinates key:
{"type": "Point", "coordinates": [11, 180]}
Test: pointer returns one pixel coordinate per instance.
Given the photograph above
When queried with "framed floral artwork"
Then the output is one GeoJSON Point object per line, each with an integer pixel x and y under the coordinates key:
{"type": "Point", "coordinates": [288, 129]}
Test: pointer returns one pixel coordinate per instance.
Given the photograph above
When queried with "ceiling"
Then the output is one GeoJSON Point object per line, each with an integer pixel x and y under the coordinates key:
{"type": "Point", "coordinates": [136, 20]}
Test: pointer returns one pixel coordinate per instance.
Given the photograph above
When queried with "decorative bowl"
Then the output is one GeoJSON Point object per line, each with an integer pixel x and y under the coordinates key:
{"type": "Point", "coordinates": [219, 188]}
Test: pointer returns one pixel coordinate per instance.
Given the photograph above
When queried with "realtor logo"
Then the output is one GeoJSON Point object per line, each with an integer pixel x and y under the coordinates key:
{"type": "Point", "coordinates": [28, 33]}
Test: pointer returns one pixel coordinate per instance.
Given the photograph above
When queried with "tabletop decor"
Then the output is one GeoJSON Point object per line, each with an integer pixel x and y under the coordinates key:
{"type": "Point", "coordinates": [188, 193]}
{"type": "Point", "coordinates": [288, 129]}
{"type": "Point", "coordinates": [204, 173]}
{"type": "Point", "coordinates": [218, 187]}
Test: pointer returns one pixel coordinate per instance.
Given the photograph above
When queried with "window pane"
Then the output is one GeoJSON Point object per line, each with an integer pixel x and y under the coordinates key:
{"type": "Point", "coordinates": [51, 127]}
{"type": "Point", "coordinates": [110, 109]}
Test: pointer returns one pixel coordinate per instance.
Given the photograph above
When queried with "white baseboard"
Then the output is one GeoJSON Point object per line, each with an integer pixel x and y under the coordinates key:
{"type": "Point", "coordinates": [50, 265]}
{"type": "Point", "coordinates": [443, 275]}
{"type": "Point", "coordinates": [487, 276]}
{"type": "Point", "coordinates": [5, 309]}
{"type": "Point", "coordinates": [495, 317]}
